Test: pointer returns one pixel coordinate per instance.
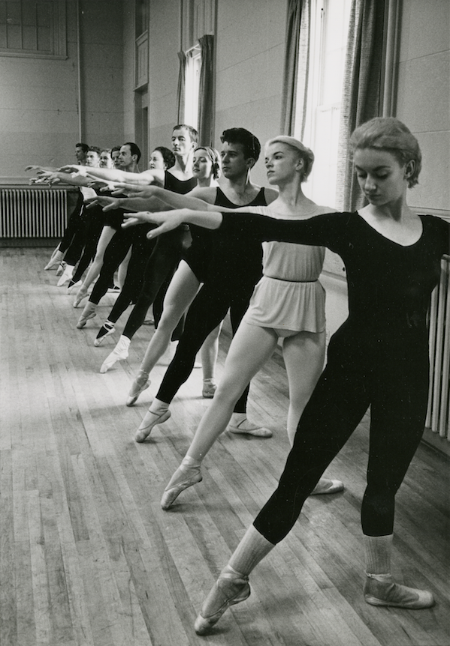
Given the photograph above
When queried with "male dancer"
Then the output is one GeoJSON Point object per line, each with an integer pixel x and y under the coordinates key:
{"type": "Point", "coordinates": [166, 255]}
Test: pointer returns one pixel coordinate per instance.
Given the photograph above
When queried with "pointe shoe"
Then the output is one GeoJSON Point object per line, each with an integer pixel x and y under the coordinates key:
{"type": "Point", "coordinates": [209, 388]}
{"type": "Point", "coordinates": [88, 313]}
{"type": "Point", "coordinates": [230, 588]}
{"type": "Point", "coordinates": [326, 486]}
{"type": "Point", "coordinates": [119, 353]}
{"type": "Point", "coordinates": [381, 590]}
{"type": "Point", "coordinates": [65, 276]}
{"type": "Point", "coordinates": [141, 383]}
{"type": "Point", "coordinates": [81, 295]}
{"type": "Point", "coordinates": [183, 478]}
{"type": "Point", "coordinates": [60, 270]}
{"type": "Point", "coordinates": [150, 420]}
{"type": "Point", "coordinates": [245, 427]}
{"type": "Point", "coordinates": [55, 260]}
{"type": "Point", "coordinates": [106, 329]}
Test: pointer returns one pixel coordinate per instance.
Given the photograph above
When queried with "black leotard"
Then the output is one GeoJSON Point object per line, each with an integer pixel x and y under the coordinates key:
{"type": "Point", "coordinates": [377, 358]}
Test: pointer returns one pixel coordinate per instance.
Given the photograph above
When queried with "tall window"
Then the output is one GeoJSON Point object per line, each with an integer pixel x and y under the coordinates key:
{"type": "Point", "coordinates": [191, 101]}
{"type": "Point", "coordinates": [329, 29]}
{"type": "Point", "coordinates": [33, 28]}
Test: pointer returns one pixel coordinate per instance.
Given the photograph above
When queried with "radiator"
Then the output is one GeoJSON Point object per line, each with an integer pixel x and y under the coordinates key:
{"type": "Point", "coordinates": [32, 212]}
{"type": "Point", "coordinates": [438, 401]}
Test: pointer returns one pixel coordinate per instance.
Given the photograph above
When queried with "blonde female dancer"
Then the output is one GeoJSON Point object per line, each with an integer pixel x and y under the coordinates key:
{"type": "Point", "coordinates": [288, 304]}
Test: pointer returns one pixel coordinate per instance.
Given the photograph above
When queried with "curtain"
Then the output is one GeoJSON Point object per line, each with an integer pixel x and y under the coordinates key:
{"type": "Point", "coordinates": [206, 92]}
{"type": "Point", "coordinates": [181, 87]}
{"type": "Point", "coordinates": [296, 66]}
{"type": "Point", "coordinates": [362, 91]}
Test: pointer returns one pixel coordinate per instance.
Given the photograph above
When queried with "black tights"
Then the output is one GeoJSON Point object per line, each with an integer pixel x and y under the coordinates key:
{"type": "Point", "coordinates": [115, 254]}
{"type": "Point", "coordinates": [92, 231]}
{"type": "Point", "coordinates": [208, 309]}
{"type": "Point", "coordinates": [161, 264]}
{"type": "Point", "coordinates": [362, 369]}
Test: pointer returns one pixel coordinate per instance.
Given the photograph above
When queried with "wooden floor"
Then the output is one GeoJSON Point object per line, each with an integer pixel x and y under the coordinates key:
{"type": "Point", "coordinates": [87, 557]}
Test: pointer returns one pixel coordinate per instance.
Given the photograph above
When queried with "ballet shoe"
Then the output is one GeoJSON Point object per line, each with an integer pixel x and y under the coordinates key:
{"type": "Point", "coordinates": [209, 388]}
{"type": "Point", "coordinates": [150, 420]}
{"type": "Point", "coordinates": [65, 276]}
{"type": "Point", "coordinates": [327, 486]}
{"type": "Point", "coordinates": [60, 270]}
{"type": "Point", "coordinates": [55, 260]}
{"type": "Point", "coordinates": [230, 588]}
{"type": "Point", "coordinates": [106, 329]}
{"type": "Point", "coordinates": [183, 478]}
{"type": "Point", "coordinates": [81, 295]}
{"type": "Point", "coordinates": [141, 383]}
{"type": "Point", "coordinates": [119, 353]}
{"type": "Point", "coordinates": [381, 590]}
{"type": "Point", "coordinates": [245, 427]}
{"type": "Point", "coordinates": [88, 313]}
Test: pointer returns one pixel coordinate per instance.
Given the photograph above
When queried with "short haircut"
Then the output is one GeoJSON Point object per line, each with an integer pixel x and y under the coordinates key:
{"type": "Point", "coordinates": [95, 149]}
{"type": "Point", "coordinates": [106, 150]}
{"type": "Point", "coordinates": [84, 147]}
{"type": "Point", "coordinates": [214, 156]}
{"type": "Point", "coordinates": [250, 144]}
{"type": "Point", "coordinates": [115, 149]}
{"type": "Point", "coordinates": [134, 149]}
{"type": "Point", "coordinates": [167, 155]}
{"type": "Point", "coordinates": [193, 134]}
{"type": "Point", "coordinates": [391, 135]}
{"type": "Point", "coordinates": [303, 151]}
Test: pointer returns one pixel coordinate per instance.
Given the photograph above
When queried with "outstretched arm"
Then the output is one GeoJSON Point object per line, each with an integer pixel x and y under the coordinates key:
{"type": "Point", "coordinates": [131, 203]}
{"type": "Point", "coordinates": [116, 175]}
{"type": "Point", "coordinates": [169, 220]}
{"type": "Point", "coordinates": [55, 177]}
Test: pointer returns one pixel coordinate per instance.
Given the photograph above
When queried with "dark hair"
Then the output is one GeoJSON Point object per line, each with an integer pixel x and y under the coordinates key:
{"type": "Point", "coordinates": [114, 149]}
{"type": "Point", "coordinates": [167, 155]}
{"type": "Point", "coordinates": [390, 134]}
{"type": "Point", "coordinates": [193, 134]}
{"type": "Point", "coordinates": [134, 149]}
{"type": "Point", "coordinates": [250, 143]}
{"type": "Point", "coordinates": [214, 156]}
{"type": "Point", "coordinates": [84, 147]}
{"type": "Point", "coordinates": [95, 149]}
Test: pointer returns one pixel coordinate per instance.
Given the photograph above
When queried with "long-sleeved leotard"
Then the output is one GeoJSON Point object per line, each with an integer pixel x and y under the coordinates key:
{"type": "Point", "coordinates": [377, 358]}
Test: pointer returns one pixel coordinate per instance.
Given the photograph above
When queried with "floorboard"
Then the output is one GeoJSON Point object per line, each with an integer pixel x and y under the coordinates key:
{"type": "Point", "coordinates": [87, 556]}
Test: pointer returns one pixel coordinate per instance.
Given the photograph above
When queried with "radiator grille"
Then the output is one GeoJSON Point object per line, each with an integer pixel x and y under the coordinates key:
{"type": "Point", "coordinates": [438, 401]}
{"type": "Point", "coordinates": [32, 213]}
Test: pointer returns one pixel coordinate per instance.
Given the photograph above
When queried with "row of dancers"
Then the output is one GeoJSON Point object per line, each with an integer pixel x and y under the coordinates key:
{"type": "Point", "coordinates": [377, 358]}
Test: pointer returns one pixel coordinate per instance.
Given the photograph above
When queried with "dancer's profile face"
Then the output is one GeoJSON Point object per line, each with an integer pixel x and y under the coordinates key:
{"type": "Point", "coordinates": [234, 163]}
{"type": "Point", "coordinates": [156, 161]}
{"type": "Point", "coordinates": [381, 177]}
{"type": "Point", "coordinates": [201, 164]}
{"type": "Point", "coordinates": [125, 157]}
{"type": "Point", "coordinates": [282, 162]}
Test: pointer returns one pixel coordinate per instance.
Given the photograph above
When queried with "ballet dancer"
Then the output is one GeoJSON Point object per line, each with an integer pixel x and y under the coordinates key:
{"type": "Point", "coordinates": [378, 357]}
{"type": "Point", "coordinates": [167, 252]}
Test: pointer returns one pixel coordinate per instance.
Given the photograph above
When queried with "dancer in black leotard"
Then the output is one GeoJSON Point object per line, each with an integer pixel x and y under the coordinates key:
{"type": "Point", "coordinates": [137, 275]}
{"type": "Point", "coordinates": [167, 253]}
{"type": "Point", "coordinates": [379, 357]}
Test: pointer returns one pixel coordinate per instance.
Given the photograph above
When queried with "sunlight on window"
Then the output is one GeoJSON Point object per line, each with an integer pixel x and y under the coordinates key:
{"type": "Point", "coordinates": [329, 29]}
{"type": "Point", "coordinates": [193, 66]}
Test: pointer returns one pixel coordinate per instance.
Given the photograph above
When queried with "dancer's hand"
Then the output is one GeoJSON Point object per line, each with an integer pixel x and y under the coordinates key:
{"type": "Point", "coordinates": [133, 190]}
{"type": "Point", "coordinates": [48, 177]}
{"type": "Point", "coordinates": [167, 220]}
{"type": "Point", "coordinates": [74, 168]}
{"type": "Point", "coordinates": [108, 203]}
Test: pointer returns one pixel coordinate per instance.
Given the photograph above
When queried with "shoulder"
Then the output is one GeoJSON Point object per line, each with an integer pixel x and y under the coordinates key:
{"type": "Point", "coordinates": [205, 194]}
